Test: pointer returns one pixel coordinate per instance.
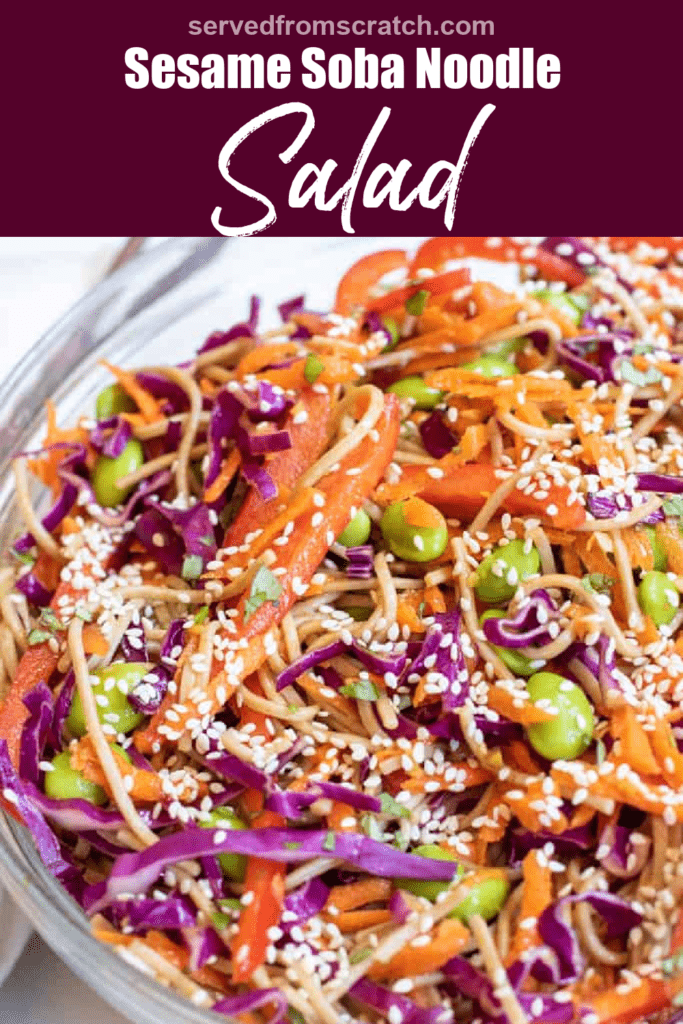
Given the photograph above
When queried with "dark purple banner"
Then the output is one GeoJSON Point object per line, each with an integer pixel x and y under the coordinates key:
{"type": "Point", "coordinates": [205, 117]}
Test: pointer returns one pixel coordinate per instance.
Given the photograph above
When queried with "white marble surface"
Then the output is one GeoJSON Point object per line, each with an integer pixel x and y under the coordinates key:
{"type": "Point", "coordinates": [40, 278]}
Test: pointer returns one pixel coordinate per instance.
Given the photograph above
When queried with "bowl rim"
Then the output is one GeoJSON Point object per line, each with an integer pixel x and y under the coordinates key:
{"type": "Point", "coordinates": [54, 914]}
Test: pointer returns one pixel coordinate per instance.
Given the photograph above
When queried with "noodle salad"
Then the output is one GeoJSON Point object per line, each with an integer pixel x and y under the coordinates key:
{"type": "Point", "coordinates": [343, 679]}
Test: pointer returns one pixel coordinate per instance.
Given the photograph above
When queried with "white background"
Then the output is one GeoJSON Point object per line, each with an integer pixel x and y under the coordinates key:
{"type": "Point", "coordinates": [40, 278]}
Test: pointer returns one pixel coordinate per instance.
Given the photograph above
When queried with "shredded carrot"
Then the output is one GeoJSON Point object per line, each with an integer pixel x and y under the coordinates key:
{"type": "Point", "coordinates": [146, 403]}
{"type": "Point", "coordinates": [446, 941]}
{"type": "Point", "coordinates": [359, 894]}
{"type": "Point", "coordinates": [229, 467]}
{"type": "Point", "coordinates": [516, 710]}
{"type": "Point", "coordinates": [537, 894]}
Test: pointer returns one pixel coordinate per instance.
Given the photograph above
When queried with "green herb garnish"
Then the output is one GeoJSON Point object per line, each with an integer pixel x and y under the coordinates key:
{"type": "Point", "coordinates": [202, 615]}
{"type": "Point", "coordinates": [264, 587]}
{"type": "Point", "coordinates": [50, 621]}
{"type": "Point", "coordinates": [673, 506]}
{"type": "Point", "coordinates": [38, 636]}
{"type": "Point", "coordinates": [292, 846]}
{"type": "Point", "coordinates": [393, 807]}
{"type": "Point", "coordinates": [313, 367]}
{"type": "Point", "coordinates": [330, 842]}
{"type": "Point", "coordinates": [416, 303]}
{"type": "Point", "coordinates": [23, 556]}
{"type": "Point", "coordinates": [362, 689]}
{"type": "Point", "coordinates": [359, 955]}
{"type": "Point", "coordinates": [639, 378]}
{"type": "Point", "coordinates": [192, 567]}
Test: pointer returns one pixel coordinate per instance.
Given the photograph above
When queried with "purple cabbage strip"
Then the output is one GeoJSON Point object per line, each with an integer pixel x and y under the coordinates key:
{"type": "Point", "coordinates": [46, 841]}
{"type": "Point", "coordinates": [437, 439]}
{"type": "Point", "coordinates": [255, 1001]}
{"type": "Point", "coordinates": [203, 944]}
{"type": "Point", "coordinates": [151, 528]}
{"type": "Point", "coordinates": [62, 709]}
{"type": "Point", "coordinates": [661, 483]}
{"type": "Point", "coordinates": [134, 873]}
{"type": "Point", "coordinates": [373, 662]}
{"type": "Point", "coordinates": [624, 858]}
{"type": "Point", "coordinates": [448, 659]}
{"type": "Point", "coordinates": [527, 627]}
{"type": "Point", "coordinates": [384, 1000]}
{"type": "Point", "coordinates": [31, 587]}
{"type": "Point", "coordinates": [66, 499]}
{"type": "Point", "coordinates": [580, 255]}
{"type": "Point", "coordinates": [159, 386]}
{"type": "Point", "coordinates": [374, 323]}
{"type": "Point", "coordinates": [604, 505]}
{"type": "Point", "coordinates": [290, 804]}
{"type": "Point", "coordinates": [361, 564]}
{"type": "Point", "coordinates": [133, 643]}
{"type": "Point", "coordinates": [36, 731]}
{"type": "Point", "coordinates": [295, 305]}
{"type": "Point", "coordinates": [618, 915]}
{"type": "Point", "coordinates": [305, 902]}
{"type": "Point", "coordinates": [600, 661]}
{"type": "Point", "coordinates": [147, 695]}
{"type": "Point", "coordinates": [242, 330]}
{"type": "Point", "coordinates": [111, 436]}
{"type": "Point", "coordinates": [141, 915]}
{"type": "Point", "coordinates": [257, 475]}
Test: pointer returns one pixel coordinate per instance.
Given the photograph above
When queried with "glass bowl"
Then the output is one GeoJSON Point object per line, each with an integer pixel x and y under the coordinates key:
{"type": "Point", "coordinates": [156, 309]}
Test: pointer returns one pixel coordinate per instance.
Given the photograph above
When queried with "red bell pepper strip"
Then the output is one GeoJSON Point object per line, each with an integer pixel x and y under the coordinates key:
{"type": "Point", "coordinates": [462, 493]}
{"type": "Point", "coordinates": [447, 282]}
{"type": "Point", "coordinates": [285, 468]}
{"type": "Point", "coordinates": [355, 285]}
{"type": "Point", "coordinates": [265, 881]}
{"type": "Point", "coordinates": [437, 251]}
{"type": "Point", "coordinates": [300, 558]}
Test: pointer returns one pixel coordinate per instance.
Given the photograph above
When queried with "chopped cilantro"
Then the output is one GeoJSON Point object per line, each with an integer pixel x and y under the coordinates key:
{"type": "Point", "coordinates": [362, 689]}
{"type": "Point", "coordinates": [84, 613]}
{"type": "Point", "coordinates": [392, 327]}
{"type": "Point", "coordinates": [359, 955]}
{"type": "Point", "coordinates": [50, 620]}
{"type": "Point", "coordinates": [202, 615]}
{"type": "Point", "coordinates": [313, 367]}
{"type": "Point", "coordinates": [417, 302]}
{"type": "Point", "coordinates": [329, 842]}
{"type": "Point", "coordinates": [600, 752]}
{"type": "Point", "coordinates": [673, 964]}
{"type": "Point", "coordinates": [393, 807]}
{"type": "Point", "coordinates": [639, 378]}
{"type": "Point", "coordinates": [597, 583]}
{"type": "Point", "coordinates": [38, 636]}
{"type": "Point", "coordinates": [23, 556]}
{"type": "Point", "coordinates": [292, 846]}
{"type": "Point", "coordinates": [192, 567]}
{"type": "Point", "coordinates": [264, 587]}
{"type": "Point", "coordinates": [673, 506]}
{"type": "Point", "coordinates": [371, 827]}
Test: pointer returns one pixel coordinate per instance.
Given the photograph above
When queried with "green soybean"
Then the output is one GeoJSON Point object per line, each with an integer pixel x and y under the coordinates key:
{"type": "Point", "coordinates": [491, 366]}
{"type": "Point", "coordinates": [357, 532]}
{"type": "Point", "coordinates": [658, 597]}
{"type": "Point", "coordinates": [110, 690]}
{"type": "Point", "coordinates": [409, 542]}
{"type": "Point", "coordinates": [569, 733]}
{"type": "Point", "coordinates": [658, 549]}
{"type": "Point", "coordinates": [508, 348]}
{"type": "Point", "coordinates": [107, 471]}
{"type": "Point", "coordinates": [111, 401]}
{"type": "Point", "coordinates": [419, 887]}
{"type": "Point", "coordinates": [415, 390]}
{"type": "Point", "coordinates": [486, 897]}
{"type": "Point", "coordinates": [514, 659]}
{"type": "Point", "coordinates": [66, 783]}
{"type": "Point", "coordinates": [571, 305]}
{"type": "Point", "coordinates": [504, 568]}
{"type": "Point", "coordinates": [234, 865]}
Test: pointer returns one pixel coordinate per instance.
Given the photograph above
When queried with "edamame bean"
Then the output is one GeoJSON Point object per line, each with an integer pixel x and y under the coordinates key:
{"type": "Point", "coordinates": [357, 532]}
{"type": "Point", "coordinates": [486, 896]}
{"type": "Point", "coordinates": [415, 390]}
{"type": "Point", "coordinates": [419, 887]}
{"type": "Point", "coordinates": [658, 550]}
{"type": "Point", "coordinates": [491, 366]}
{"type": "Point", "coordinates": [67, 783]}
{"type": "Point", "coordinates": [414, 530]}
{"type": "Point", "coordinates": [111, 401]}
{"type": "Point", "coordinates": [514, 659]}
{"type": "Point", "coordinates": [234, 865]}
{"type": "Point", "coordinates": [504, 568]}
{"type": "Point", "coordinates": [507, 348]}
{"type": "Point", "coordinates": [110, 686]}
{"type": "Point", "coordinates": [658, 597]}
{"type": "Point", "coordinates": [571, 730]}
{"type": "Point", "coordinates": [107, 471]}
{"type": "Point", "coordinates": [573, 305]}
